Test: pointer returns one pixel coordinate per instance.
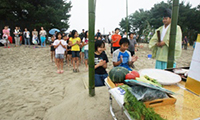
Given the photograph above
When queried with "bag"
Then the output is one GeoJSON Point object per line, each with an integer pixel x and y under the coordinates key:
{"type": "Point", "coordinates": [146, 94]}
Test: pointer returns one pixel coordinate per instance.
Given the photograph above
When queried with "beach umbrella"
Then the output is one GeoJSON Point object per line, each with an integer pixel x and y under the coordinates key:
{"type": "Point", "coordinates": [172, 39]}
{"type": "Point", "coordinates": [52, 31]}
{"type": "Point", "coordinates": [91, 47]}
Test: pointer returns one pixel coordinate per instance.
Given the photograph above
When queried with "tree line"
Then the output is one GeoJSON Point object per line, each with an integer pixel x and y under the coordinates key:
{"type": "Point", "coordinates": [35, 13]}
{"type": "Point", "coordinates": [144, 22]}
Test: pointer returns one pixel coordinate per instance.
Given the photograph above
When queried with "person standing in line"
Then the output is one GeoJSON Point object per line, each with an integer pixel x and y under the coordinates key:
{"type": "Point", "coordinates": [6, 34]}
{"type": "Point", "coordinates": [185, 42]}
{"type": "Point", "coordinates": [109, 37]}
{"type": "Point", "coordinates": [60, 45]}
{"type": "Point", "coordinates": [111, 48]}
{"type": "Point", "coordinates": [70, 34]}
{"type": "Point", "coordinates": [52, 49]}
{"type": "Point", "coordinates": [85, 44]}
{"type": "Point", "coordinates": [65, 39]}
{"type": "Point", "coordinates": [69, 54]}
{"type": "Point", "coordinates": [125, 35]}
{"type": "Point", "coordinates": [43, 34]}
{"type": "Point", "coordinates": [20, 35]}
{"type": "Point", "coordinates": [74, 42]}
{"type": "Point", "coordinates": [26, 37]}
{"type": "Point", "coordinates": [133, 44]}
{"type": "Point", "coordinates": [98, 34]}
{"type": "Point", "coordinates": [82, 35]}
{"type": "Point", "coordinates": [35, 38]}
{"type": "Point", "coordinates": [115, 39]}
{"type": "Point", "coordinates": [17, 37]}
{"type": "Point", "coordinates": [160, 48]}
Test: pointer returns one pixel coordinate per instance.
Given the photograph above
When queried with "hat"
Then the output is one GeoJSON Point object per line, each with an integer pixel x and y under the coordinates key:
{"type": "Point", "coordinates": [167, 13]}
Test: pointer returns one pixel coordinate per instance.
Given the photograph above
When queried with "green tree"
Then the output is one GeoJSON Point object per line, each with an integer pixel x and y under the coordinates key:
{"type": "Point", "coordinates": [155, 14]}
{"type": "Point", "coordinates": [146, 21]}
{"type": "Point", "coordinates": [35, 13]}
{"type": "Point", "coordinates": [139, 20]}
{"type": "Point", "coordinates": [123, 25]}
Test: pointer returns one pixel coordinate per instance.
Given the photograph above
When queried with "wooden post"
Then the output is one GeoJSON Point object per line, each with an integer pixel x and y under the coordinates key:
{"type": "Point", "coordinates": [172, 39]}
{"type": "Point", "coordinates": [91, 47]}
{"type": "Point", "coordinates": [127, 21]}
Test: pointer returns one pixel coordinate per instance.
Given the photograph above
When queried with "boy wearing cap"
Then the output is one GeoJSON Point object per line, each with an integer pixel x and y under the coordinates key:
{"type": "Point", "coordinates": [160, 49]}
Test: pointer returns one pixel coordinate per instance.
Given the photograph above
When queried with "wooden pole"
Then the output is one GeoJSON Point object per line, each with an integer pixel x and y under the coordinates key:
{"type": "Point", "coordinates": [127, 18]}
{"type": "Point", "coordinates": [92, 5]}
{"type": "Point", "coordinates": [172, 39]}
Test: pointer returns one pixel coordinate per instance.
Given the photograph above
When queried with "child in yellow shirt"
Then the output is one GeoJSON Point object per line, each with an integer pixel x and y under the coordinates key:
{"type": "Point", "coordinates": [74, 42]}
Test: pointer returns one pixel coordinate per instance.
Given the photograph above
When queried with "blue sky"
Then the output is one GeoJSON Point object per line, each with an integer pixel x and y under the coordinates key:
{"type": "Point", "coordinates": [109, 12]}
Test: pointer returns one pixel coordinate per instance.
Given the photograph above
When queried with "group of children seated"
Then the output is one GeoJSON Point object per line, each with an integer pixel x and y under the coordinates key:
{"type": "Point", "coordinates": [121, 56]}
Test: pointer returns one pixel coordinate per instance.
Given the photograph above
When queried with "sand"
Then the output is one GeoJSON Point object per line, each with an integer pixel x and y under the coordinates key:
{"type": "Point", "coordinates": [30, 88]}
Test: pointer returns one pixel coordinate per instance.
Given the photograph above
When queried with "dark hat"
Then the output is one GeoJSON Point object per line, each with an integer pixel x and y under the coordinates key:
{"type": "Point", "coordinates": [167, 13]}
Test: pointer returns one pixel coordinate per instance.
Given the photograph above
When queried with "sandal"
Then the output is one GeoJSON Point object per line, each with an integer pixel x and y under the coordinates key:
{"type": "Point", "coordinates": [58, 71]}
{"type": "Point", "coordinates": [77, 70]}
{"type": "Point", "coordinates": [62, 71]}
{"type": "Point", "coordinates": [74, 70]}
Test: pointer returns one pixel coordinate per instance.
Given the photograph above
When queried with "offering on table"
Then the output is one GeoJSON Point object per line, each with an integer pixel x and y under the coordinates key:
{"type": "Point", "coordinates": [148, 80]}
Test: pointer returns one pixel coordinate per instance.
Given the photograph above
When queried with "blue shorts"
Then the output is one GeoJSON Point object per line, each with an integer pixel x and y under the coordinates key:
{"type": "Point", "coordinates": [75, 54]}
{"type": "Point", "coordinates": [59, 56]}
{"type": "Point", "coordinates": [99, 79]}
{"type": "Point", "coordinates": [86, 54]}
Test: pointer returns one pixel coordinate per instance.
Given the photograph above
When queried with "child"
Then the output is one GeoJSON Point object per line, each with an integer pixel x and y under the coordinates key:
{"type": "Point", "coordinates": [133, 44]}
{"type": "Point", "coordinates": [65, 39]}
{"type": "Point", "coordinates": [82, 52]}
{"type": "Point", "coordinates": [115, 40]}
{"type": "Point", "coordinates": [85, 43]}
{"type": "Point", "coordinates": [6, 34]}
{"type": "Point", "coordinates": [101, 61]}
{"type": "Point", "coordinates": [122, 57]}
{"type": "Point", "coordinates": [69, 54]}
{"type": "Point", "coordinates": [74, 42]}
{"type": "Point", "coordinates": [99, 38]}
{"type": "Point", "coordinates": [52, 48]}
{"type": "Point", "coordinates": [60, 46]}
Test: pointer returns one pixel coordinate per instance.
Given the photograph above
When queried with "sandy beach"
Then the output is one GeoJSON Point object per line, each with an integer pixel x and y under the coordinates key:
{"type": "Point", "coordinates": [30, 88]}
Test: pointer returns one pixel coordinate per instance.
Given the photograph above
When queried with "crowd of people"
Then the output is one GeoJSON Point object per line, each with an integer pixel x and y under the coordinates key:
{"type": "Point", "coordinates": [25, 35]}
{"type": "Point", "coordinates": [73, 47]}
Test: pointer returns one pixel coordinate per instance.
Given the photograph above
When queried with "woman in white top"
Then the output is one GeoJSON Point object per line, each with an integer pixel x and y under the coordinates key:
{"type": "Point", "coordinates": [26, 37]}
{"type": "Point", "coordinates": [35, 40]}
{"type": "Point", "coordinates": [17, 37]}
{"type": "Point", "coordinates": [43, 34]}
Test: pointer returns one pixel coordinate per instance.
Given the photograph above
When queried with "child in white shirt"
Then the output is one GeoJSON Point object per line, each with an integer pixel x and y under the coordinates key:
{"type": "Point", "coordinates": [60, 45]}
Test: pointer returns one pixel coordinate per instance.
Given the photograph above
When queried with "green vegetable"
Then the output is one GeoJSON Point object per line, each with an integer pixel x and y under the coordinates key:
{"type": "Point", "coordinates": [136, 109]}
{"type": "Point", "coordinates": [149, 80]}
{"type": "Point", "coordinates": [117, 74]}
